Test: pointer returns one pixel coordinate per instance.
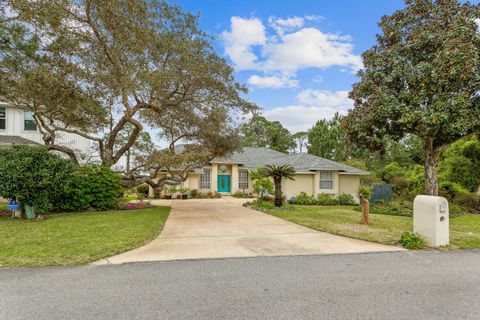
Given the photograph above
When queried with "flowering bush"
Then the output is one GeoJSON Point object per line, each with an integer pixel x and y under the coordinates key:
{"type": "Point", "coordinates": [136, 205]}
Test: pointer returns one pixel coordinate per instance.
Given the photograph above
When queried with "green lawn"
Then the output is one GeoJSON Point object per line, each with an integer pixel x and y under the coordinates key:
{"type": "Point", "coordinates": [77, 238]}
{"type": "Point", "coordinates": [386, 229]}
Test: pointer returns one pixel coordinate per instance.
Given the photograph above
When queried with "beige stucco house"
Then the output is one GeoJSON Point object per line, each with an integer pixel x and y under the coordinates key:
{"type": "Point", "coordinates": [314, 175]}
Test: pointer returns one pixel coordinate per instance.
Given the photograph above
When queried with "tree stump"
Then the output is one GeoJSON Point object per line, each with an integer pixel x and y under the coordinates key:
{"type": "Point", "coordinates": [365, 219]}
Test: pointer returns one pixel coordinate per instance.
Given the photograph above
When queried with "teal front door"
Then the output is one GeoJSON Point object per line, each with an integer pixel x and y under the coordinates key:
{"type": "Point", "coordinates": [223, 183]}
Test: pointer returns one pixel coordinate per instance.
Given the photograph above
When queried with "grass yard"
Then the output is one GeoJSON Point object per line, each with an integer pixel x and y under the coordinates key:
{"type": "Point", "coordinates": [77, 238]}
{"type": "Point", "coordinates": [386, 229]}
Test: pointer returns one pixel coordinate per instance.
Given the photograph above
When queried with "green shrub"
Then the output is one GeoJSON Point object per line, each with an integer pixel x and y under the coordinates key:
{"type": "Point", "coordinates": [365, 192]}
{"type": "Point", "coordinates": [263, 204]}
{"type": "Point", "coordinates": [452, 190]}
{"type": "Point", "coordinates": [305, 199]}
{"type": "Point", "coordinates": [391, 208]}
{"type": "Point", "coordinates": [262, 186]}
{"type": "Point", "coordinates": [36, 177]}
{"type": "Point", "coordinates": [241, 194]}
{"type": "Point", "coordinates": [470, 202]}
{"type": "Point", "coordinates": [455, 210]}
{"type": "Point", "coordinates": [183, 190]}
{"type": "Point", "coordinates": [460, 163]}
{"type": "Point", "coordinates": [96, 187]}
{"type": "Point", "coordinates": [143, 189]}
{"type": "Point", "coordinates": [346, 199]}
{"type": "Point", "coordinates": [194, 193]}
{"type": "Point", "coordinates": [412, 241]}
{"type": "Point", "coordinates": [169, 189]}
{"type": "Point", "coordinates": [325, 199]}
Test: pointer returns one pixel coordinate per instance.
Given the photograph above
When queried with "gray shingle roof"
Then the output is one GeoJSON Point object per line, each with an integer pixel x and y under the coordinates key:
{"type": "Point", "coordinates": [14, 140]}
{"type": "Point", "coordinates": [252, 158]}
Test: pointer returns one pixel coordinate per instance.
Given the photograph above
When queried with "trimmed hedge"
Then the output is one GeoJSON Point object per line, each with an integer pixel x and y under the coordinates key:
{"type": "Point", "coordinates": [324, 199]}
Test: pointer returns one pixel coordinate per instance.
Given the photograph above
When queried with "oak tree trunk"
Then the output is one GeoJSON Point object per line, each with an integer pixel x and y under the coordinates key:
{"type": "Point", "coordinates": [278, 192]}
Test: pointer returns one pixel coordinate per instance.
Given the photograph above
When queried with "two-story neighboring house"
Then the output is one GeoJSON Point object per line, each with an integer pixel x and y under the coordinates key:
{"type": "Point", "coordinates": [19, 127]}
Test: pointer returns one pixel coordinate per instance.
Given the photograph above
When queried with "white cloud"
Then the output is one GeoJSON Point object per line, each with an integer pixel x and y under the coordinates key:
{"type": "Point", "coordinates": [282, 25]}
{"type": "Point", "coordinates": [272, 81]}
{"type": "Point", "coordinates": [309, 48]}
{"type": "Point", "coordinates": [325, 98]}
{"type": "Point", "coordinates": [244, 34]}
{"type": "Point", "coordinates": [312, 105]}
{"type": "Point", "coordinates": [478, 24]}
{"type": "Point", "coordinates": [313, 17]}
{"type": "Point", "coordinates": [286, 46]}
{"type": "Point", "coordinates": [299, 117]}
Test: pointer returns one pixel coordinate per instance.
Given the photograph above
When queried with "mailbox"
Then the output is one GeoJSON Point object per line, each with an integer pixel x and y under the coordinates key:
{"type": "Point", "coordinates": [430, 219]}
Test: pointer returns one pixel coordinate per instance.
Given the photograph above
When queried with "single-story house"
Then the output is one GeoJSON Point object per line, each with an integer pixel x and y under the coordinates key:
{"type": "Point", "coordinates": [314, 175]}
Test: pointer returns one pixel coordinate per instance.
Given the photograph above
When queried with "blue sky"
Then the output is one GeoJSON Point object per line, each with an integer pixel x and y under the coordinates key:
{"type": "Point", "coordinates": [298, 58]}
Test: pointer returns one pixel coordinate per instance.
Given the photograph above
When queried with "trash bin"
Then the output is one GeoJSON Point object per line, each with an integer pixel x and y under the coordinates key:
{"type": "Point", "coordinates": [29, 211]}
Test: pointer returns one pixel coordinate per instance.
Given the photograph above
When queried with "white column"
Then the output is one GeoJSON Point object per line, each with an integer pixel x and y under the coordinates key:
{"type": "Point", "coordinates": [234, 182]}
{"type": "Point", "coordinates": [214, 178]}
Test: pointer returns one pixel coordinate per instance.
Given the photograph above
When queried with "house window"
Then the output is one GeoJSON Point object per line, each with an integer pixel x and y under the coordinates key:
{"type": "Point", "coordinates": [205, 180]}
{"type": "Point", "coordinates": [242, 179]}
{"type": "Point", "coordinates": [29, 123]}
{"type": "Point", "coordinates": [326, 180]}
{"type": "Point", "coordinates": [3, 118]}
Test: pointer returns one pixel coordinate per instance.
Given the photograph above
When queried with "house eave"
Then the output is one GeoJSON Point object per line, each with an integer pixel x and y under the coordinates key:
{"type": "Point", "coordinates": [354, 173]}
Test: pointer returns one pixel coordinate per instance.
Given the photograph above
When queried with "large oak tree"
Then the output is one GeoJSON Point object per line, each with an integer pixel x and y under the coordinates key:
{"type": "Point", "coordinates": [107, 70]}
{"type": "Point", "coordinates": [422, 77]}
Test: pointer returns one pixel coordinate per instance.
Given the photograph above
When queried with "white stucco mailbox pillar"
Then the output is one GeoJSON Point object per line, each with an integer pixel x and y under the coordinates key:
{"type": "Point", "coordinates": [430, 219]}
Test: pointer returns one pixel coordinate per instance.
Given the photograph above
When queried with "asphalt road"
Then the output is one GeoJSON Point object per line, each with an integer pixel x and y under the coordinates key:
{"type": "Point", "coordinates": [401, 285]}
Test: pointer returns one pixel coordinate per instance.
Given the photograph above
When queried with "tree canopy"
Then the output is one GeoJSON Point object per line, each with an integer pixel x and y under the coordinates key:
{"type": "Point", "coordinates": [260, 132]}
{"type": "Point", "coordinates": [107, 70]}
{"type": "Point", "coordinates": [422, 77]}
{"type": "Point", "coordinates": [327, 139]}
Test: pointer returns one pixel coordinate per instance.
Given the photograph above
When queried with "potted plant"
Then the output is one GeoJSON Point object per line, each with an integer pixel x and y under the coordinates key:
{"type": "Point", "coordinates": [184, 191]}
{"type": "Point", "coordinates": [168, 191]}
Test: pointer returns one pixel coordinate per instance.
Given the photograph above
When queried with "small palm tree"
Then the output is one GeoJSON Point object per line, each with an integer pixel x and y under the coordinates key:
{"type": "Point", "coordinates": [278, 173]}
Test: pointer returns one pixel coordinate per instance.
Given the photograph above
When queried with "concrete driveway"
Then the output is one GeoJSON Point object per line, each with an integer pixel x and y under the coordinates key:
{"type": "Point", "coordinates": [223, 228]}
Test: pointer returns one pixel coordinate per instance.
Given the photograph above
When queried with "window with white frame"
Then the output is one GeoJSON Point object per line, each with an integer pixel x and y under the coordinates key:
{"type": "Point", "coordinates": [3, 118]}
{"type": "Point", "coordinates": [205, 180]}
{"type": "Point", "coordinates": [29, 123]}
{"type": "Point", "coordinates": [242, 179]}
{"type": "Point", "coordinates": [326, 180]}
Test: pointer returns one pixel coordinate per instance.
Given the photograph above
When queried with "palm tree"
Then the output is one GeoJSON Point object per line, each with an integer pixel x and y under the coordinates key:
{"type": "Point", "coordinates": [278, 173]}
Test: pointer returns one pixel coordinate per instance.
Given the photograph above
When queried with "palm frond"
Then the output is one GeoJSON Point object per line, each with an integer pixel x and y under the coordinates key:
{"type": "Point", "coordinates": [282, 171]}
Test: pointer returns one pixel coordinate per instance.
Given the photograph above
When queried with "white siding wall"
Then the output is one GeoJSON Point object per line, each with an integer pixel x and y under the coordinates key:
{"type": "Point", "coordinates": [15, 127]}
